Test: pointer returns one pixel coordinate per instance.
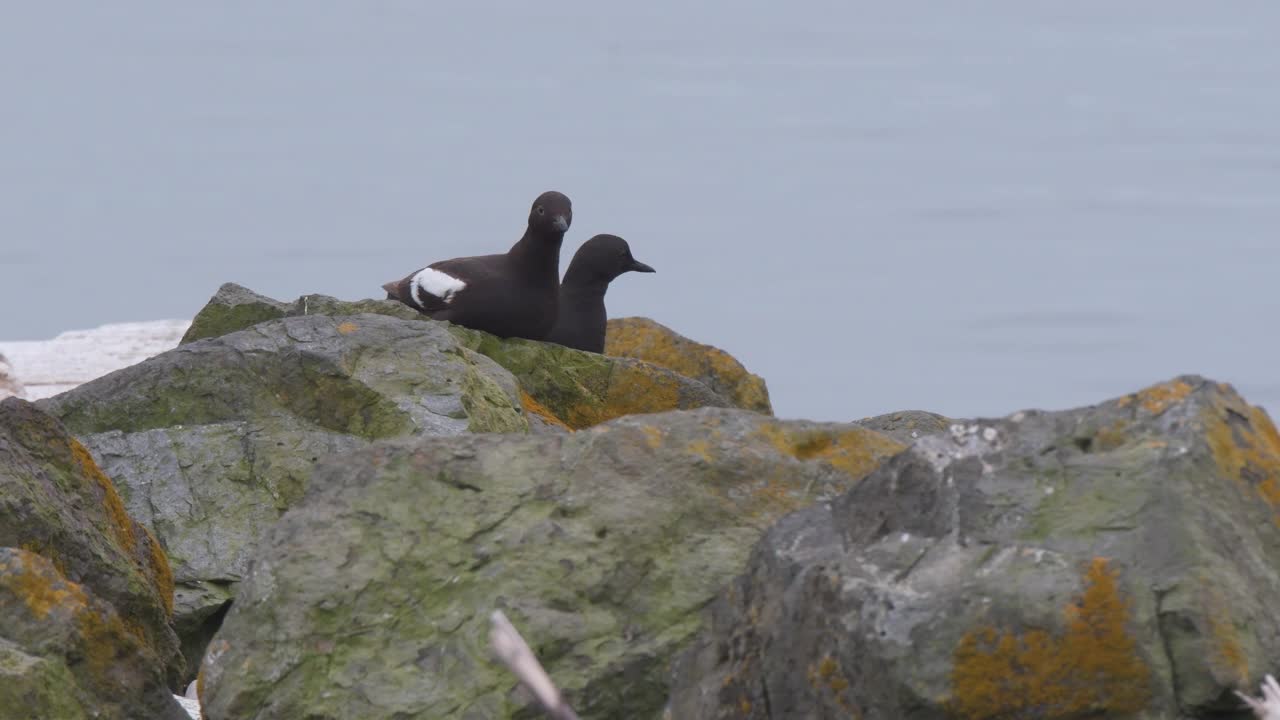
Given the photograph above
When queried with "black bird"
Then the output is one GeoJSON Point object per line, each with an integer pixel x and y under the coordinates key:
{"type": "Point", "coordinates": [582, 318]}
{"type": "Point", "coordinates": [510, 295]}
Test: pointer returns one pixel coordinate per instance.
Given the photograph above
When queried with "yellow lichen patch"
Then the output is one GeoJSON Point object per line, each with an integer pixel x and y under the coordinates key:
{"type": "Point", "coordinates": [121, 523]}
{"type": "Point", "coordinates": [533, 407]}
{"type": "Point", "coordinates": [39, 584]}
{"type": "Point", "coordinates": [1158, 398]}
{"type": "Point", "coordinates": [854, 451]}
{"type": "Point", "coordinates": [701, 448]}
{"type": "Point", "coordinates": [1092, 668]}
{"type": "Point", "coordinates": [649, 341]}
{"type": "Point", "coordinates": [347, 328]}
{"type": "Point", "coordinates": [632, 389]}
{"type": "Point", "coordinates": [161, 573]}
{"type": "Point", "coordinates": [1246, 447]}
{"type": "Point", "coordinates": [653, 437]}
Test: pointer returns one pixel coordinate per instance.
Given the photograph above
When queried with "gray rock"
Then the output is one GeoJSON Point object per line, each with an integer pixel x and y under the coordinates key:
{"type": "Point", "coordinates": [82, 584]}
{"type": "Point", "coordinates": [1113, 561]}
{"type": "Point", "coordinates": [211, 442]}
{"type": "Point", "coordinates": [370, 598]}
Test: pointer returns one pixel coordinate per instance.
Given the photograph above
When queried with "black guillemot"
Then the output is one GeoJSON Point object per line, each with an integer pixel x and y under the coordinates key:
{"type": "Point", "coordinates": [581, 320]}
{"type": "Point", "coordinates": [509, 295]}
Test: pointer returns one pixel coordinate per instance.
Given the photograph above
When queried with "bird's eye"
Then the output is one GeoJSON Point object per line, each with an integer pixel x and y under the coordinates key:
{"type": "Point", "coordinates": [541, 211]}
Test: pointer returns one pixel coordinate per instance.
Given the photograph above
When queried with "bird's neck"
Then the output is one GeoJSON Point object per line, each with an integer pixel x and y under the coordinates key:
{"type": "Point", "coordinates": [582, 284]}
{"type": "Point", "coordinates": [538, 256]}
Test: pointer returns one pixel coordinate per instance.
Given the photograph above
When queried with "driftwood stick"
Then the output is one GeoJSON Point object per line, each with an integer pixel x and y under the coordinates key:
{"type": "Point", "coordinates": [1267, 707]}
{"type": "Point", "coordinates": [511, 648]}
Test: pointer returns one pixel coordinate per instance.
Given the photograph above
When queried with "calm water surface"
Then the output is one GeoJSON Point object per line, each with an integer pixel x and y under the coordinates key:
{"type": "Point", "coordinates": [968, 208]}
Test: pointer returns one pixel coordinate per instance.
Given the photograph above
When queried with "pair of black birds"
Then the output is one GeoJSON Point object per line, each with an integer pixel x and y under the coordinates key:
{"type": "Point", "coordinates": [519, 293]}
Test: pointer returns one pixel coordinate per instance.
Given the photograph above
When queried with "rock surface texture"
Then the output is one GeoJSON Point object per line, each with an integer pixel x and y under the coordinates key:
{"type": "Point", "coordinates": [85, 591]}
{"type": "Point", "coordinates": [1117, 561]}
{"type": "Point", "coordinates": [644, 339]}
{"type": "Point", "coordinates": [371, 597]}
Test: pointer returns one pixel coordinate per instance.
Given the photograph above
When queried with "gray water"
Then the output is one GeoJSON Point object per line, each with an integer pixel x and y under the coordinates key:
{"type": "Point", "coordinates": [969, 208]}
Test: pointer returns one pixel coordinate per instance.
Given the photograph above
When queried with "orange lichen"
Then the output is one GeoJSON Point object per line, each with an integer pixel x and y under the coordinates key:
{"type": "Point", "coordinates": [161, 573]}
{"type": "Point", "coordinates": [828, 675]}
{"type": "Point", "coordinates": [1246, 447]}
{"type": "Point", "coordinates": [121, 523]}
{"type": "Point", "coordinates": [1092, 668]}
{"type": "Point", "coordinates": [533, 407]}
{"type": "Point", "coordinates": [38, 583]}
{"type": "Point", "coordinates": [701, 448]}
{"type": "Point", "coordinates": [347, 328]}
{"type": "Point", "coordinates": [653, 436]}
{"type": "Point", "coordinates": [1158, 398]}
{"type": "Point", "coordinates": [855, 452]}
{"type": "Point", "coordinates": [632, 389]}
{"type": "Point", "coordinates": [649, 341]}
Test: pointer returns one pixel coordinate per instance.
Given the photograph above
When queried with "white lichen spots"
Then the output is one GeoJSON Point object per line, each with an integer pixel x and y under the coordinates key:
{"type": "Point", "coordinates": [915, 434]}
{"type": "Point", "coordinates": [1048, 490]}
{"type": "Point", "coordinates": [434, 282]}
{"type": "Point", "coordinates": [989, 434]}
{"type": "Point", "coordinates": [906, 537]}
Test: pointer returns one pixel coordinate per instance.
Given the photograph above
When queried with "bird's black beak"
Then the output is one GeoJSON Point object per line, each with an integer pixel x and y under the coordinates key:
{"type": "Point", "coordinates": [638, 266]}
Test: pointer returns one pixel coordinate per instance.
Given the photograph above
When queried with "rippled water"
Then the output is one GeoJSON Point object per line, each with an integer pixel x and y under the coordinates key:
{"type": "Point", "coordinates": [963, 207]}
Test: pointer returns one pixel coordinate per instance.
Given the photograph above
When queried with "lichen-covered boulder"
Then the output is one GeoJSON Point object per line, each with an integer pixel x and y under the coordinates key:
{"type": "Point", "coordinates": [66, 653]}
{"type": "Point", "coordinates": [1121, 560]}
{"type": "Point", "coordinates": [211, 442]}
{"type": "Point", "coordinates": [652, 342]}
{"type": "Point", "coordinates": [579, 389]}
{"type": "Point", "coordinates": [55, 501]}
{"type": "Point", "coordinates": [371, 597]}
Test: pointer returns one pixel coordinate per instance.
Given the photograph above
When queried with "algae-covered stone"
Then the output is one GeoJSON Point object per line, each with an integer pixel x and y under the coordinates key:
{"type": "Point", "coordinates": [644, 339]}
{"type": "Point", "coordinates": [581, 389]}
{"type": "Point", "coordinates": [233, 307]}
{"type": "Point", "coordinates": [56, 501]}
{"type": "Point", "coordinates": [371, 597]}
{"type": "Point", "coordinates": [211, 441]}
{"type": "Point", "coordinates": [1118, 561]}
{"type": "Point", "coordinates": [564, 388]}
{"type": "Point", "coordinates": [65, 653]}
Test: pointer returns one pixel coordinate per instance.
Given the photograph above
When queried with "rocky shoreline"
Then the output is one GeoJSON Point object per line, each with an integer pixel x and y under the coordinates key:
{"type": "Point", "coordinates": [312, 509]}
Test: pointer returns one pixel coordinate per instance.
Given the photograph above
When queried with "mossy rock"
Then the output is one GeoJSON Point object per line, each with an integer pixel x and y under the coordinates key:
{"type": "Point", "coordinates": [601, 545]}
{"type": "Point", "coordinates": [66, 653]}
{"type": "Point", "coordinates": [1118, 560]}
{"type": "Point", "coordinates": [580, 389]}
{"type": "Point", "coordinates": [210, 442]}
{"type": "Point", "coordinates": [652, 342]}
{"type": "Point", "coordinates": [56, 501]}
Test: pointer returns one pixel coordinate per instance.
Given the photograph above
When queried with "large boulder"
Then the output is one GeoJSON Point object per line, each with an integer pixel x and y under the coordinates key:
{"type": "Point", "coordinates": [1113, 561]}
{"type": "Point", "coordinates": [211, 442]}
{"type": "Point", "coordinates": [370, 598]}
{"type": "Point", "coordinates": [66, 653]}
{"type": "Point", "coordinates": [98, 564]}
{"type": "Point", "coordinates": [644, 339]}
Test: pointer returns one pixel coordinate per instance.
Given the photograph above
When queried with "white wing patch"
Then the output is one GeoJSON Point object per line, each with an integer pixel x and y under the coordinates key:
{"type": "Point", "coordinates": [434, 282]}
